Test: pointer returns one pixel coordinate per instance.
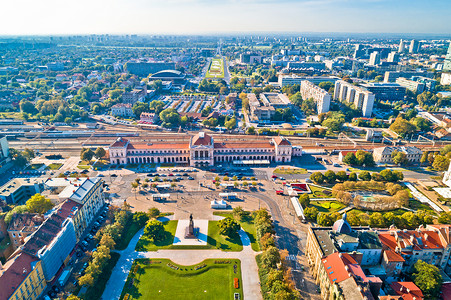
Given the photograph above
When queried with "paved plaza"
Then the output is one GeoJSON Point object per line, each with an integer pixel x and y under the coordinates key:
{"type": "Point", "coordinates": [181, 240]}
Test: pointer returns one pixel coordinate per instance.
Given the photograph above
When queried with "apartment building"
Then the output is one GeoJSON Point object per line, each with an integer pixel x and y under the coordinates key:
{"type": "Point", "coordinates": [22, 277]}
{"type": "Point", "coordinates": [137, 94]}
{"type": "Point", "coordinates": [413, 245]}
{"type": "Point", "coordinates": [375, 58]}
{"type": "Point", "coordinates": [284, 80]}
{"type": "Point", "coordinates": [393, 57]}
{"type": "Point", "coordinates": [362, 98]}
{"type": "Point", "coordinates": [382, 155]}
{"type": "Point", "coordinates": [319, 95]}
{"type": "Point", "coordinates": [21, 226]}
{"type": "Point", "coordinates": [386, 91]}
{"type": "Point", "coordinates": [411, 85]}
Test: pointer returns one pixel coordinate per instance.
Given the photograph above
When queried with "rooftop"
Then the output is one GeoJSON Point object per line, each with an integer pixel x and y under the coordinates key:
{"type": "Point", "coordinates": [14, 272]}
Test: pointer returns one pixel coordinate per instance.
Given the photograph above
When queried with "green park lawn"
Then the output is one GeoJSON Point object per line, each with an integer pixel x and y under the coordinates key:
{"type": "Point", "coordinates": [146, 244]}
{"type": "Point", "coordinates": [84, 165]}
{"type": "Point", "coordinates": [327, 206]}
{"type": "Point", "coordinates": [215, 240]}
{"type": "Point", "coordinates": [216, 69]}
{"type": "Point", "coordinates": [132, 228]}
{"type": "Point", "coordinates": [155, 279]}
{"type": "Point", "coordinates": [248, 226]}
{"type": "Point", "coordinates": [34, 167]}
{"type": "Point", "coordinates": [54, 166]}
{"type": "Point", "coordinates": [290, 171]}
{"type": "Point", "coordinates": [318, 192]}
{"type": "Point", "coordinates": [417, 205]}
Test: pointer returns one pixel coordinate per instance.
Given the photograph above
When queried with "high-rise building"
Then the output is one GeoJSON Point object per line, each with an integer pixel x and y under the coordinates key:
{"type": "Point", "coordinates": [375, 58]}
{"type": "Point", "coordinates": [414, 46]}
{"type": "Point", "coordinates": [393, 57]}
{"type": "Point", "coordinates": [447, 63]}
{"type": "Point", "coordinates": [361, 97]}
{"type": "Point", "coordinates": [319, 95]}
{"type": "Point", "coordinates": [401, 46]}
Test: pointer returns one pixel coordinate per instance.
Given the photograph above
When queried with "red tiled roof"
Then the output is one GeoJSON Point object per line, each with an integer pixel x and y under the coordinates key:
{"type": "Point", "coordinates": [281, 141]}
{"type": "Point", "coordinates": [159, 146]}
{"type": "Point", "coordinates": [393, 256]}
{"type": "Point", "coordinates": [14, 272]}
{"type": "Point", "coordinates": [408, 290]}
{"type": "Point", "coordinates": [417, 239]}
{"type": "Point", "coordinates": [335, 264]}
{"type": "Point", "coordinates": [201, 141]}
{"type": "Point", "coordinates": [243, 145]}
{"type": "Point", "coordinates": [120, 142]}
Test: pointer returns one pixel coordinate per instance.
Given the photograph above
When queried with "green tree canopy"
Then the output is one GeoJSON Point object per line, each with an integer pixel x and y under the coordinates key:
{"type": "Point", "coordinates": [38, 204]}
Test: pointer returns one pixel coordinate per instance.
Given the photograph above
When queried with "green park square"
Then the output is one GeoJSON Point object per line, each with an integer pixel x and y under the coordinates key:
{"type": "Point", "coordinates": [154, 279]}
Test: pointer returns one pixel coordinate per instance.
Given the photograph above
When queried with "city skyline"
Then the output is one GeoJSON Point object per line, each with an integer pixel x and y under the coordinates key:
{"type": "Point", "coordinates": [204, 17]}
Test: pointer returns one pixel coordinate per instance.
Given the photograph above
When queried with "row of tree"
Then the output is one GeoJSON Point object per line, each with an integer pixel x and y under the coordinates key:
{"type": "Point", "coordinates": [359, 158]}
{"type": "Point", "coordinates": [275, 274]}
{"type": "Point", "coordinates": [341, 176]}
{"type": "Point", "coordinates": [87, 154]}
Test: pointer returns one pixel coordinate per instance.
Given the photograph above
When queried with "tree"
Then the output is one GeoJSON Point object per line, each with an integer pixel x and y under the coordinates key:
{"type": "Point", "coordinates": [73, 297]}
{"type": "Point", "coordinates": [353, 176]}
{"type": "Point", "coordinates": [28, 107]}
{"type": "Point", "coordinates": [270, 258]}
{"type": "Point", "coordinates": [239, 213]}
{"type": "Point", "coordinates": [28, 154]}
{"type": "Point", "coordinates": [441, 163]}
{"type": "Point", "coordinates": [428, 278]}
{"type": "Point", "coordinates": [424, 157]}
{"type": "Point", "coordinates": [86, 279]}
{"type": "Point", "coordinates": [99, 153]}
{"type": "Point", "coordinates": [342, 176]}
{"type": "Point", "coordinates": [38, 204]}
{"type": "Point", "coordinates": [399, 158]}
{"type": "Point", "coordinates": [230, 124]}
{"type": "Point", "coordinates": [107, 241]}
{"type": "Point", "coordinates": [365, 176]}
{"type": "Point", "coordinates": [154, 230]}
{"type": "Point", "coordinates": [402, 127]}
{"type": "Point", "coordinates": [154, 213]}
{"type": "Point", "coordinates": [86, 154]}
{"type": "Point", "coordinates": [304, 200]}
{"type": "Point", "coordinates": [140, 218]}
{"type": "Point", "coordinates": [170, 117]}
{"type": "Point", "coordinates": [311, 213]}
{"type": "Point", "coordinates": [324, 219]}
{"type": "Point", "coordinates": [317, 177]}
{"type": "Point", "coordinates": [350, 159]}
{"type": "Point", "coordinates": [20, 209]}
{"type": "Point", "coordinates": [228, 227]}
{"type": "Point", "coordinates": [330, 176]}
{"type": "Point", "coordinates": [139, 108]}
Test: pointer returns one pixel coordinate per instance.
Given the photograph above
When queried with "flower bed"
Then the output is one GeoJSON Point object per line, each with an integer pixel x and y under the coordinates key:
{"type": "Point", "coordinates": [222, 261]}
{"type": "Point", "coordinates": [236, 283]}
{"type": "Point", "coordinates": [200, 267]}
{"type": "Point", "coordinates": [172, 266]}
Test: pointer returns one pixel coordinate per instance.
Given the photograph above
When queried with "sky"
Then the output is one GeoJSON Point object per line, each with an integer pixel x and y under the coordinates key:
{"type": "Point", "coordinates": [46, 17]}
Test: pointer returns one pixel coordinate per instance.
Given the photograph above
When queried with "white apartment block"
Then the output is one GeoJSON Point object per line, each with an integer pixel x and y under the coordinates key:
{"type": "Point", "coordinates": [361, 97]}
{"type": "Point", "coordinates": [319, 95]}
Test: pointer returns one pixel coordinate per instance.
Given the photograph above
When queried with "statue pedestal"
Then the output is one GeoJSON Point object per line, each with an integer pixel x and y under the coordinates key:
{"type": "Point", "coordinates": [199, 237]}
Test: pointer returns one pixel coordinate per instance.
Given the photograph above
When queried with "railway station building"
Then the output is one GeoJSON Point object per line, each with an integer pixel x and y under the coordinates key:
{"type": "Point", "coordinates": [202, 150]}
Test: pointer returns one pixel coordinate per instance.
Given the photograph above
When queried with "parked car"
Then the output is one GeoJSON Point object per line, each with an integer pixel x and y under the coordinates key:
{"type": "Point", "coordinates": [191, 178]}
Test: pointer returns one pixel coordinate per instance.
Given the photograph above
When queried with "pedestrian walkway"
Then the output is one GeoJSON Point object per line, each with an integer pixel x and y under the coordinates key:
{"type": "Point", "coordinates": [422, 198]}
{"type": "Point", "coordinates": [249, 269]}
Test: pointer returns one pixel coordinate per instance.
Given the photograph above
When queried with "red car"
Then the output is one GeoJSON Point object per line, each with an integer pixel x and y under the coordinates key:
{"type": "Point", "coordinates": [274, 176]}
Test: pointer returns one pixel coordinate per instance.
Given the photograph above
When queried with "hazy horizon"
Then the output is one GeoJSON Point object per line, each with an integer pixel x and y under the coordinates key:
{"type": "Point", "coordinates": [185, 17]}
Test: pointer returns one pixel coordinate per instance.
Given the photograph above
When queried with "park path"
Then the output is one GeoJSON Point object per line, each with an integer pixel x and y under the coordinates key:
{"type": "Point", "coordinates": [249, 269]}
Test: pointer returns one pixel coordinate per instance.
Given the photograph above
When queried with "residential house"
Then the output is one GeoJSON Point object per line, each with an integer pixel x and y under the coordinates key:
{"type": "Point", "coordinates": [21, 226]}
